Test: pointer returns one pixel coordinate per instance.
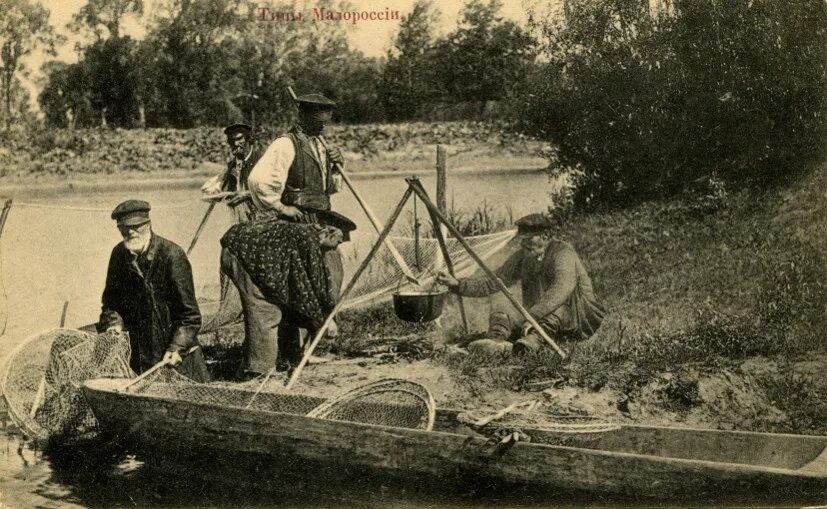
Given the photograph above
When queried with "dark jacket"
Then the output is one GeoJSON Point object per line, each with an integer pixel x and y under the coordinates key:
{"type": "Point", "coordinates": [228, 181]}
{"type": "Point", "coordinates": [305, 188]}
{"type": "Point", "coordinates": [155, 298]}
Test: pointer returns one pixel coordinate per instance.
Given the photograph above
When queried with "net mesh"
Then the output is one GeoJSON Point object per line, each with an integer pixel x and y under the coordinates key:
{"type": "Point", "coordinates": [41, 380]}
{"type": "Point", "coordinates": [545, 428]}
{"type": "Point", "coordinates": [389, 402]}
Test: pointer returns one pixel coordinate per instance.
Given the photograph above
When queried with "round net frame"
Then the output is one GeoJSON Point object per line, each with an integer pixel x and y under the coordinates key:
{"type": "Point", "coordinates": [388, 402]}
{"type": "Point", "coordinates": [563, 430]}
{"type": "Point", "coordinates": [41, 379]}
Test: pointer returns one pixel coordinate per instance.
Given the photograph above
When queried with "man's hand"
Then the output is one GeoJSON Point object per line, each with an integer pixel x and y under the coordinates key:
{"type": "Point", "coordinates": [238, 198]}
{"type": "Point", "coordinates": [332, 329]}
{"type": "Point", "coordinates": [336, 157]}
{"type": "Point", "coordinates": [173, 358]}
{"type": "Point", "coordinates": [446, 279]}
{"type": "Point", "coordinates": [527, 329]}
{"type": "Point", "coordinates": [115, 328]}
{"type": "Point", "coordinates": [291, 212]}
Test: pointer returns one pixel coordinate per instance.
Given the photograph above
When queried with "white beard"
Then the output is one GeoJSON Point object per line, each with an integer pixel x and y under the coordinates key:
{"type": "Point", "coordinates": [137, 243]}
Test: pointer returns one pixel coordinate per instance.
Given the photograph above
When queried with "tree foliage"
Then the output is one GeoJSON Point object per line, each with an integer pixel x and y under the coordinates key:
{"type": "Point", "coordinates": [24, 26]}
{"type": "Point", "coordinates": [408, 78]}
{"type": "Point", "coordinates": [646, 107]}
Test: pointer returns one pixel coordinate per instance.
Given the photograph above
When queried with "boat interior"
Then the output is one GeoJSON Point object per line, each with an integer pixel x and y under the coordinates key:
{"type": "Point", "coordinates": [807, 454]}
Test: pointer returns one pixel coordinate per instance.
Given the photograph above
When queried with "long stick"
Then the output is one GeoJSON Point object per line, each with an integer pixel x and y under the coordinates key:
{"type": "Point", "coordinates": [368, 211]}
{"type": "Point", "coordinates": [155, 368]}
{"type": "Point", "coordinates": [412, 181]}
{"type": "Point", "coordinates": [449, 264]}
{"type": "Point", "coordinates": [200, 227]}
{"type": "Point", "coordinates": [382, 236]}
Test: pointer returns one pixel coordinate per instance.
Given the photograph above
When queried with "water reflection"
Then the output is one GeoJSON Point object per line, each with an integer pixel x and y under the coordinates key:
{"type": "Point", "coordinates": [100, 473]}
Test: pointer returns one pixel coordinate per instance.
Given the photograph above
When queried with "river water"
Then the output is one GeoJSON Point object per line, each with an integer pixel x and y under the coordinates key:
{"type": "Point", "coordinates": [56, 250]}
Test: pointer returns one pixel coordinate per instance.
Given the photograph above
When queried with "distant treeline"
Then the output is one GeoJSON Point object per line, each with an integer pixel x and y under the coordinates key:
{"type": "Point", "coordinates": [639, 98]}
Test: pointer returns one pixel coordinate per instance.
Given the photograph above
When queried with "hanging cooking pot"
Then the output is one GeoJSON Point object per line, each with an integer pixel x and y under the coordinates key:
{"type": "Point", "coordinates": [418, 306]}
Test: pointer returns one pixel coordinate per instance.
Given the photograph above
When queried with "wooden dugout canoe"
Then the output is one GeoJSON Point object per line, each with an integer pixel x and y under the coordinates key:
{"type": "Point", "coordinates": [634, 461]}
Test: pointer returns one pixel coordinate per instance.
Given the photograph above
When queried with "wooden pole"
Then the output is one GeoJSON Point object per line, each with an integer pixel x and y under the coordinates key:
{"type": "Point", "coordinates": [352, 283]}
{"type": "Point", "coordinates": [414, 184]}
{"type": "Point", "coordinates": [449, 264]}
{"type": "Point", "coordinates": [200, 227]}
{"type": "Point", "coordinates": [63, 313]}
{"type": "Point", "coordinates": [441, 179]}
{"type": "Point", "coordinates": [368, 211]}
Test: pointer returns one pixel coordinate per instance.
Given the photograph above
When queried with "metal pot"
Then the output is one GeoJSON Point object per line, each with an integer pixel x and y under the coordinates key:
{"type": "Point", "coordinates": [418, 307]}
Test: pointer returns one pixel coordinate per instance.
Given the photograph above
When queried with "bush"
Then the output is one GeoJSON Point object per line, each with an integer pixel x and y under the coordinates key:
{"type": "Point", "coordinates": [645, 106]}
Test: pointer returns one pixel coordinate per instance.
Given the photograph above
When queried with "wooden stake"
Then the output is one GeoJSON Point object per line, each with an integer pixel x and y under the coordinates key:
{"type": "Point", "coordinates": [414, 184]}
{"type": "Point", "coordinates": [441, 179]}
{"type": "Point", "coordinates": [63, 313]}
{"type": "Point", "coordinates": [320, 333]}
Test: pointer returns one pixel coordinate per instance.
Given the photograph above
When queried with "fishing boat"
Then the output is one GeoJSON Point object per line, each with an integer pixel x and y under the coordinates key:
{"type": "Point", "coordinates": [650, 461]}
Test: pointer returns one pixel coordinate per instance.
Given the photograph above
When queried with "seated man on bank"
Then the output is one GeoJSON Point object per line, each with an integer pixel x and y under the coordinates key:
{"type": "Point", "coordinates": [285, 284]}
{"type": "Point", "coordinates": [149, 292]}
{"type": "Point", "coordinates": [556, 290]}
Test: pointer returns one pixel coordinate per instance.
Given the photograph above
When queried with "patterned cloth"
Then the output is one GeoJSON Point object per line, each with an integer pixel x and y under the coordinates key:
{"type": "Point", "coordinates": [285, 261]}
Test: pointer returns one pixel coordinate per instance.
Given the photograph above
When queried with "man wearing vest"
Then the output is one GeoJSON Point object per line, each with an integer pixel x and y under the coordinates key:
{"type": "Point", "coordinates": [230, 186]}
{"type": "Point", "coordinates": [294, 180]}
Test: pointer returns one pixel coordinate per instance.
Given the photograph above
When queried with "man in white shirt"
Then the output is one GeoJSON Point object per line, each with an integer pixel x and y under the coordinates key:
{"type": "Point", "coordinates": [231, 185]}
{"type": "Point", "coordinates": [296, 175]}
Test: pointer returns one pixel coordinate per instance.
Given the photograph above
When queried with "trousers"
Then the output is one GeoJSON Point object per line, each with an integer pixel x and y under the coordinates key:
{"type": "Point", "coordinates": [505, 322]}
{"type": "Point", "coordinates": [270, 339]}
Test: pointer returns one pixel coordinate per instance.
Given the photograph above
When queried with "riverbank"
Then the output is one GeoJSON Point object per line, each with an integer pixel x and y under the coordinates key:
{"type": "Point", "coordinates": [40, 156]}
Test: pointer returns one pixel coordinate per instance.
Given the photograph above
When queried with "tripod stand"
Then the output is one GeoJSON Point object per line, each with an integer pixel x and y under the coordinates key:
{"type": "Point", "coordinates": [415, 187]}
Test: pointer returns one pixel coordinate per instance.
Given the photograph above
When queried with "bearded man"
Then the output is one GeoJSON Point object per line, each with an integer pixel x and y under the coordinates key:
{"type": "Point", "coordinates": [149, 292]}
{"type": "Point", "coordinates": [556, 290]}
{"type": "Point", "coordinates": [231, 185]}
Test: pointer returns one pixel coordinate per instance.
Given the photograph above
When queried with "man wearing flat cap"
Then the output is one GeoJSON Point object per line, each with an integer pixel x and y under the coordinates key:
{"type": "Point", "coordinates": [556, 290]}
{"type": "Point", "coordinates": [231, 185]}
{"type": "Point", "coordinates": [295, 177]}
{"type": "Point", "coordinates": [149, 292]}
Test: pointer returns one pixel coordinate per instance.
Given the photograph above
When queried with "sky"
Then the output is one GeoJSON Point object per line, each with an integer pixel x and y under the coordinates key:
{"type": "Point", "coordinates": [371, 37]}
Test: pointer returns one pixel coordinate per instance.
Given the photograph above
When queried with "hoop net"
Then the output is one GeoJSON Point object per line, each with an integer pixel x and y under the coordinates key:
{"type": "Point", "coordinates": [389, 402]}
{"type": "Point", "coordinates": [42, 377]}
{"type": "Point", "coordinates": [549, 429]}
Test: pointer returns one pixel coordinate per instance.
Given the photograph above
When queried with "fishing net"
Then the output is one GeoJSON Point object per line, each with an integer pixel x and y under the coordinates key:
{"type": "Point", "coordinates": [544, 428]}
{"type": "Point", "coordinates": [383, 276]}
{"type": "Point", "coordinates": [41, 379]}
{"type": "Point", "coordinates": [389, 402]}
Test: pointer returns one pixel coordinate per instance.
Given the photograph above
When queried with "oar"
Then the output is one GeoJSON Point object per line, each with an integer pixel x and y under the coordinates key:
{"type": "Point", "coordinates": [156, 367]}
{"type": "Point", "coordinates": [368, 211]}
{"type": "Point", "coordinates": [200, 227]}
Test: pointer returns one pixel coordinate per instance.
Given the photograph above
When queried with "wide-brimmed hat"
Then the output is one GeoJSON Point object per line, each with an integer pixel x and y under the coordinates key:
{"type": "Point", "coordinates": [330, 218]}
{"type": "Point", "coordinates": [315, 102]}
{"type": "Point", "coordinates": [238, 127]}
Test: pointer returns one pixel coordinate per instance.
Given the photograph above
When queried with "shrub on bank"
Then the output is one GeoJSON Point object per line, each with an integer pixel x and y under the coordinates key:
{"type": "Point", "coordinates": [645, 106]}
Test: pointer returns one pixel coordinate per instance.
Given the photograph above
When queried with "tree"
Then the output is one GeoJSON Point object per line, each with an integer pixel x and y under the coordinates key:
{"type": "Point", "coordinates": [97, 15]}
{"type": "Point", "coordinates": [486, 57]}
{"type": "Point", "coordinates": [24, 26]}
{"type": "Point", "coordinates": [407, 80]}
